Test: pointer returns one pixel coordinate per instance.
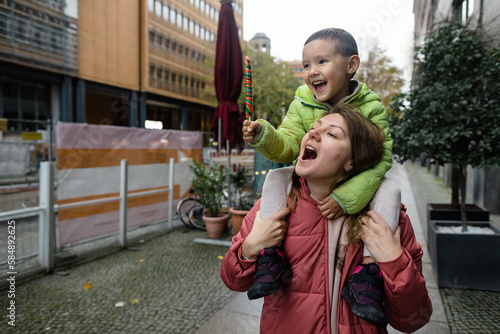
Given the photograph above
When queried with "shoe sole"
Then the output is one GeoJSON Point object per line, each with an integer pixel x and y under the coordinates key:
{"type": "Point", "coordinates": [368, 313]}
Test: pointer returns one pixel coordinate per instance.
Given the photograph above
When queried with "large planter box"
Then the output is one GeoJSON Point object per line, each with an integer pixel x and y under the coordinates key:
{"type": "Point", "coordinates": [446, 212]}
{"type": "Point", "coordinates": [466, 261]}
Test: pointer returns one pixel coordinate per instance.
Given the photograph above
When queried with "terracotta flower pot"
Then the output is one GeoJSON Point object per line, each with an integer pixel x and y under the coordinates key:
{"type": "Point", "coordinates": [216, 226]}
{"type": "Point", "coordinates": [237, 218]}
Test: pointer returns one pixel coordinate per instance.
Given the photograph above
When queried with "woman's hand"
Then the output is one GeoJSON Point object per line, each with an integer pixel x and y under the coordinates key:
{"type": "Point", "coordinates": [265, 233]}
{"type": "Point", "coordinates": [383, 244]}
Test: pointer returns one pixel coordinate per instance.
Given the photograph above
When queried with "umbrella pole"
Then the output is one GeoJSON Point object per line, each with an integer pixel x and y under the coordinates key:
{"type": "Point", "coordinates": [220, 134]}
{"type": "Point", "coordinates": [228, 149]}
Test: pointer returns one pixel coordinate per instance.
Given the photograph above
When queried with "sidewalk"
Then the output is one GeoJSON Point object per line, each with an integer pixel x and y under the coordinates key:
{"type": "Point", "coordinates": [242, 313]}
{"type": "Point", "coordinates": [167, 283]}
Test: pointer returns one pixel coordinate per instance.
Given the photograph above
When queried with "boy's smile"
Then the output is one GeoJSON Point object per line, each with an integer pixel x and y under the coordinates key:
{"type": "Point", "coordinates": [326, 71]}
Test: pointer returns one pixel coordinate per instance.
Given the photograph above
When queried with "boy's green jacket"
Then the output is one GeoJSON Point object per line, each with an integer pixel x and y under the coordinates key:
{"type": "Point", "coordinates": [283, 145]}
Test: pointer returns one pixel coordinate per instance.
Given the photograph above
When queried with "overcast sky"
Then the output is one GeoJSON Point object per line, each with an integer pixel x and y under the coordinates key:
{"type": "Point", "coordinates": [288, 23]}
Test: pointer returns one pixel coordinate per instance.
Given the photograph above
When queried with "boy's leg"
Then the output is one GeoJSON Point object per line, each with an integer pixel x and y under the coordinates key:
{"type": "Point", "coordinates": [387, 202]}
{"type": "Point", "coordinates": [364, 290]}
{"type": "Point", "coordinates": [275, 191]}
{"type": "Point", "coordinates": [272, 267]}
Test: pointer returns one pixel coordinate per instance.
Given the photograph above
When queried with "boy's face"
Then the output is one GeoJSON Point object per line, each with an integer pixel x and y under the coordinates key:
{"type": "Point", "coordinates": [326, 71]}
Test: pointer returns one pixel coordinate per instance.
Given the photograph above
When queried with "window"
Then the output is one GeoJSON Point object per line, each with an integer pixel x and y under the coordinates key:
{"type": "Point", "coordinates": [174, 45]}
{"type": "Point", "coordinates": [467, 10]}
{"type": "Point", "coordinates": [179, 20]}
{"type": "Point", "coordinates": [181, 49]}
{"type": "Point", "coordinates": [159, 40]}
{"type": "Point", "coordinates": [167, 43]}
{"type": "Point", "coordinates": [186, 23]}
{"type": "Point", "coordinates": [173, 14]}
{"type": "Point", "coordinates": [174, 77]}
{"type": "Point", "coordinates": [151, 5]}
{"type": "Point", "coordinates": [151, 36]}
{"type": "Point", "coordinates": [151, 71]}
{"type": "Point", "coordinates": [197, 30]}
{"type": "Point", "coordinates": [166, 12]}
{"type": "Point", "coordinates": [167, 75]}
{"type": "Point", "coordinates": [158, 73]}
{"type": "Point", "coordinates": [158, 8]}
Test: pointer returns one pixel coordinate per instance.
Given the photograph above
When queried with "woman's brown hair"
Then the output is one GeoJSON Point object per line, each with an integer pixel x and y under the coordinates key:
{"type": "Point", "coordinates": [367, 149]}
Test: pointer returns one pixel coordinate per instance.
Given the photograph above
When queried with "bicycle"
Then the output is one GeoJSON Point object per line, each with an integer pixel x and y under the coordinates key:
{"type": "Point", "coordinates": [189, 217]}
{"type": "Point", "coordinates": [190, 211]}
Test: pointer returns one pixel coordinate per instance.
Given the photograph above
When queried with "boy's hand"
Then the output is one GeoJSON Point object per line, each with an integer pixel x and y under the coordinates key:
{"type": "Point", "coordinates": [251, 130]}
{"type": "Point", "coordinates": [329, 208]}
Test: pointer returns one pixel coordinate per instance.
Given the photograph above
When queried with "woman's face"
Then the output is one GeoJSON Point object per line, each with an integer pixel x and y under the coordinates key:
{"type": "Point", "coordinates": [325, 152]}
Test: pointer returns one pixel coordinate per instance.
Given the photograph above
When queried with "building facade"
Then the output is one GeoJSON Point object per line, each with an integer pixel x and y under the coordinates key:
{"type": "Point", "coordinates": [113, 62]}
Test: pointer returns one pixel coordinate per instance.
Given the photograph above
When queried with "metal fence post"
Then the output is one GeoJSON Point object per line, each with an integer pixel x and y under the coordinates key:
{"type": "Point", "coordinates": [47, 217]}
{"type": "Point", "coordinates": [123, 203]}
{"type": "Point", "coordinates": [171, 169]}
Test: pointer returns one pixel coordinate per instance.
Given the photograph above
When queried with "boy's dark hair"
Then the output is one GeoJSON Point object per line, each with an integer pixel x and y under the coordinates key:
{"type": "Point", "coordinates": [346, 44]}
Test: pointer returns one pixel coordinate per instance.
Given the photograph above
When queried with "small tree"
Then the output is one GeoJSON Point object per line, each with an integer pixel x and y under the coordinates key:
{"type": "Point", "coordinates": [452, 113]}
{"type": "Point", "coordinates": [208, 183]}
{"type": "Point", "coordinates": [379, 73]}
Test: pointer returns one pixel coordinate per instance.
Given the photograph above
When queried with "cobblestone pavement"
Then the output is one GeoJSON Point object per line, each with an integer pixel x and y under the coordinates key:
{"type": "Point", "coordinates": [467, 311]}
{"type": "Point", "coordinates": [168, 285]}
{"type": "Point", "coordinates": [470, 311]}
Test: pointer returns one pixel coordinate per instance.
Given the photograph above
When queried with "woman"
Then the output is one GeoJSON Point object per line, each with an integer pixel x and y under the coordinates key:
{"type": "Point", "coordinates": [323, 254]}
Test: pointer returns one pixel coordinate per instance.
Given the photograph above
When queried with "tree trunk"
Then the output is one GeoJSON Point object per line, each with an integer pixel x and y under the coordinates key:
{"type": "Point", "coordinates": [455, 176]}
{"type": "Point", "coordinates": [461, 183]}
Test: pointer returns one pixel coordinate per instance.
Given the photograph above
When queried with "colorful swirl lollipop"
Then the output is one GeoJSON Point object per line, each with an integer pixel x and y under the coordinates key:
{"type": "Point", "coordinates": [248, 88]}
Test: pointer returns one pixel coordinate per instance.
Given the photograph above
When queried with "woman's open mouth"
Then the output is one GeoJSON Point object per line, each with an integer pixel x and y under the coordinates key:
{"type": "Point", "coordinates": [309, 153]}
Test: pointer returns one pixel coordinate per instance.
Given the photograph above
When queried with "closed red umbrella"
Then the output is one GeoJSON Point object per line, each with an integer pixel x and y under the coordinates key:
{"type": "Point", "coordinates": [228, 77]}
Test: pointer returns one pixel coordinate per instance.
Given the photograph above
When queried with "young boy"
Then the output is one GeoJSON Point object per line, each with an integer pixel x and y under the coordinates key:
{"type": "Point", "coordinates": [330, 59]}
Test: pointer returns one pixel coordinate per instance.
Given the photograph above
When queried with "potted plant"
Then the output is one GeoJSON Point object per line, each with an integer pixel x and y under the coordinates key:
{"type": "Point", "coordinates": [243, 202]}
{"type": "Point", "coordinates": [451, 115]}
{"type": "Point", "coordinates": [208, 183]}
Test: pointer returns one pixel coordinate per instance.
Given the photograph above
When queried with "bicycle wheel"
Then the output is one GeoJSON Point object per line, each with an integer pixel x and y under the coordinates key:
{"type": "Point", "coordinates": [196, 217]}
{"type": "Point", "coordinates": [183, 208]}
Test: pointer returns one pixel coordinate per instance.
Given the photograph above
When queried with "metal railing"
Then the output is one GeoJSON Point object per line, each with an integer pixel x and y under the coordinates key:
{"type": "Point", "coordinates": [47, 208]}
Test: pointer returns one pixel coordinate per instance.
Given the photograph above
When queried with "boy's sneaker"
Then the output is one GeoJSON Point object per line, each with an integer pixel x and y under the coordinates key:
{"type": "Point", "coordinates": [272, 270]}
{"type": "Point", "coordinates": [364, 292]}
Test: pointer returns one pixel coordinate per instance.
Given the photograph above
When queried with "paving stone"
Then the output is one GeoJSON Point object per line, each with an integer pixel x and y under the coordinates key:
{"type": "Point", "coordinates": [175, 281]}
